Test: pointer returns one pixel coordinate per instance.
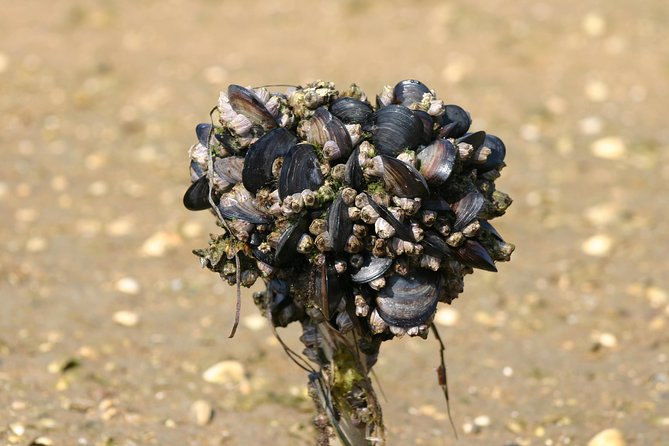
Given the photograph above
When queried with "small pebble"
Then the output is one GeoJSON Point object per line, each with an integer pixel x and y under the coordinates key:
{"type": "Point", "coordinates": [482, 421]}
{"type": "Point", "coordinates": [59, 183]}
{"type": "Point", "coordinates": [594, 24]}
{"type": "Point", "coordinates": [447, 317]}
{"type": "Point", "coordinates": [602, 214]}
{"type": "Point", "coordinates": [95, 161]}
{"type": "Point", "coordinates": [36, 244]}
{"type": "Point", "coordinates": [598, 245]}
{"type": "Point", "coordinates": [201, 412]}
{"type": "Point", "coordinates": [225, 372]}
{"type": "Point", "coordinates": [592, 125]}
{"type": "Point", "coordinates": [4, 62]}
{"type": "Point", "coordinates": [120, 227]}
{"type": "Point", "coordinates": [126, 318]}
{"type": "Point", "coordinates": [159, 243]}
{"type": "Point", "coordinates": [608, 437]}
{"type": "Point", "coordinates": [597, 91]}
{"type": "Point", "coordinates": [656, 296]}
{"type": "Point", "coordinates": [26, 215]}
{"type": "Point", "coordinates": [607, 340]}
{"type": "Point", "coordinates": [17, 429]}
{"type": "Point", "coordinates": [610, 148]}
{"type": "Point", "coordinates": [127, 285]}
{"type": "Point", "coordinates": [98, 188]}
{"type": "Point", "coordinates": [191, 229]}
{"type": "Point", "coordinates": [42, 441]}
{"type": "Point", "coordinates": [255, 322]}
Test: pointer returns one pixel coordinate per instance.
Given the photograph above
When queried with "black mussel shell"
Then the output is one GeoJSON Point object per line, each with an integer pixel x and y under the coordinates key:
{"type": "Point", "coordinates": [257, 172]}
{"type": "Point", "coordinates": [435, 245]}
{"type": "Point", "coordinates": [402, 179]}
{"type": "Point", "coordinates": [408, 91]}
{"type": "Point", "coordinates": [428, 125]}
{"type": "Point", "coordinates": [196, 171]}
{"type": "Point", "coordinates": [196, 197]}
{"type": "Point", "coordinates": [409, 301]}
{"type": "Point", "coordinates": [474, 254]}
{"type": "Point", "coordinates": [300, 171]}
{"type": "Point", "coordinates": [437, 161]}
{"type": "Point", "coordinates": [373, 268]}
{"type": "Point", "coordinates": [286, 249]}
{"type": "Point", "coordinates": [497, 153]}
{"type": "Point", "coordinates": [467, 209]}
{"type": "Point", "coordinates": [227, 140]}
{"type": "Point", "coordinates": [245, 102]}
{"type": "Point", "coordinates": [340, 224]}
{"type": "Point", "coordinates": [436, 204]}
{"type": "Point", "coordinates": [281, 306]}
{"type": "Point", "coordinates": [336, 287]}
{"type": "Point", "coordinates": [401, 230]}
{"type": "Point", "coordinates": [350, 110]}
{"type": "Point", "coordinates": [203, 131]}
{"type": "Point", "coordinates": [395, 128]}
{"type": "Point", "coordinates": [265, 257]}
{"type": "Point", "coordinates": [229, 169]}
{"type": "Point", "coordinates": [232, 209]}
{"type": "Point", "coordinates": [486, 226]}
{"type": "Point", "coordinates": [353, 175]}
{"type": "Point", "coordinates": [475, 139]}
{"type": "Point", "coordinates": [459, 117]}
{"type": "Point", "coordinates": [324, 126]}
{"type": "Point", "coordinates": [447, 131]}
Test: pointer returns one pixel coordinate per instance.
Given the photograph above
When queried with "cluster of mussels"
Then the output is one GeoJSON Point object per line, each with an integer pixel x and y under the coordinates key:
{"type": "Point", "coordinates": [378, 210]}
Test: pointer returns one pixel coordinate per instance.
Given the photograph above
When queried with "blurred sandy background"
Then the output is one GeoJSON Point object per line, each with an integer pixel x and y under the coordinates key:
{"type": "Point", "coordinates": [107, 322]}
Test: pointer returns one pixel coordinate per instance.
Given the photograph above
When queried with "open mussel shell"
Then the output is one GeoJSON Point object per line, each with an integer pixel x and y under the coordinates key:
{"type": "Point", "coordinates": [257, 172]}
{"type": "Point", "coordinates": [395, 128]}
{"type": "Point", "coordinates": [474, 254]}
{"type": "Point", "coordinates": [458, 117]}
{"type": "Point", "coordinates": [324, 127]}
{"type": "Point", "coordinates": [373, 268]}
{"type": "Point", "coordinates": [339, 224]}
{"type": "Point", "coordinates": [286, 249]}
{"type": "Point", "coordinates": [437, 161]}
{"type": "Point", "coordinates": [353, 175]}
{"type": "Point", "coordinates": [467, 209]}
{"type": "Point", "coordinates": [203, 132]}
{"type": "Point", "coordinates": [196, 197]}
{"type": "Point", "coordinates": [428, 125]}
{"type": "Point", "coordinates": [497, 153]}
{"type": "Point", "coordinates": [350, 110]}
{"type": "Point", "coordinates": [408, 91]}
{"type": "Point", "coordinates": [475, 139]}
{"type": "Point", "coordinates": [409, 301]}
{"type": "Point", "coordinates": [402, 230]}
{"type": "Point", "coordinates": [403, 180]}
{"type": "Point", "coordinates": [300, 171]}
{"type": "Point", "coordinates": [245, 102]}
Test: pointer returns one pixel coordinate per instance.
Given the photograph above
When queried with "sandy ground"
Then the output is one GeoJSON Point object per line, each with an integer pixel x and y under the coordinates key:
{"type": "Point", "coordinates": [107, 322]}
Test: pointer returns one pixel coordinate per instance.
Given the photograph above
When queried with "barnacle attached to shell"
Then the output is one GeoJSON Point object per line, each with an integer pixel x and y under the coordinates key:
{"type": "Point", "coordinates": [359, 214]}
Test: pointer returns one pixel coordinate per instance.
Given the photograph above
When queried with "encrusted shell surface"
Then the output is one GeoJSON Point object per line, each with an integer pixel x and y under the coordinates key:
{"type": "Point", "coordinates": [409, 301]}
{"type": "Point", "coordinates": [374, 212]}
